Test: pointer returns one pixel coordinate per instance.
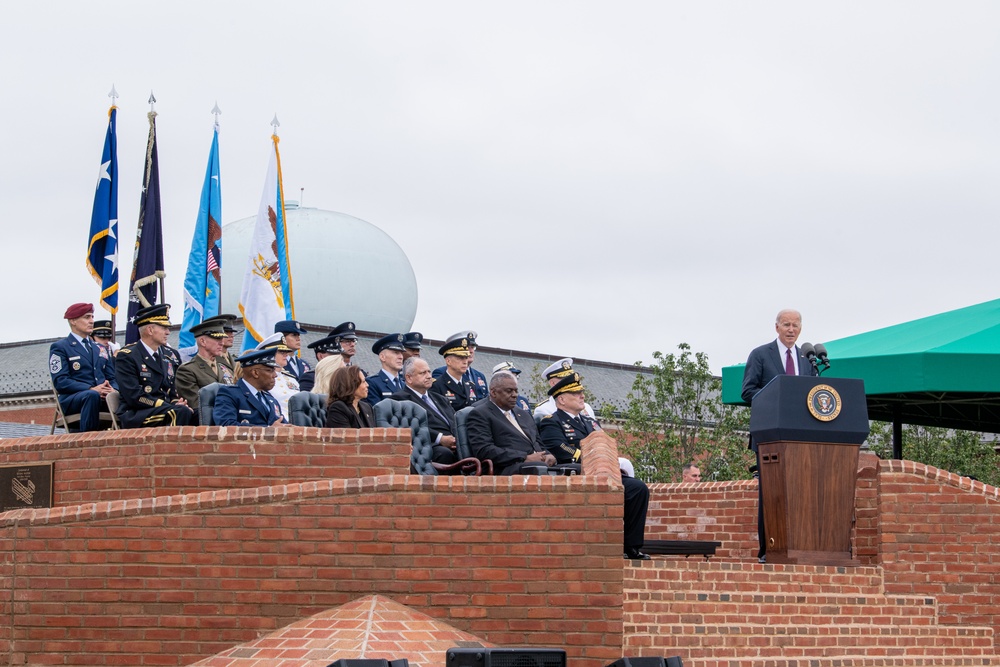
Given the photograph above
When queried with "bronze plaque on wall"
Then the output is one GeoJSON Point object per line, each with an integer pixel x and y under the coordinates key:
{"type": "Point", "coordinates": [25, 486]}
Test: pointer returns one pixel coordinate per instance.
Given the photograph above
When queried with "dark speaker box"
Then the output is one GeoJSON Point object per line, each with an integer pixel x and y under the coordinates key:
{"type": "Point", "coordinates": [505, 657]}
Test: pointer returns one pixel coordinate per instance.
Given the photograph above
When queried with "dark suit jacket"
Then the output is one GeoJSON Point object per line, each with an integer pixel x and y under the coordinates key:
{"type": "Point", "coordinates": [141, 380]}
{"type": "Point", "coordinates": [493, 438]}
{"type": "Point", "coordinates": [237, 405]}
{"type": "Point", "coordinates": [459, 395]}
{"type": "Point", "coordinates": [342, 415]}
{"type": "Point", "coordinates": [765, 363]}
{"type": "Point", "coordinates": [435, 423]}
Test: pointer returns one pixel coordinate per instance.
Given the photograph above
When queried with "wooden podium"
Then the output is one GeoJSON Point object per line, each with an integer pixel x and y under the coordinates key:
{"type": "Point", "coordinates": [808, 431]}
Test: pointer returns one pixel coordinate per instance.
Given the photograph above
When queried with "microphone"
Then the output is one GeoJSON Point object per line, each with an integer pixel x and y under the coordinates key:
{"type": "Point", "coordinates": [820, 350]}
{"type": "Point", "coordinates": [810, 352]}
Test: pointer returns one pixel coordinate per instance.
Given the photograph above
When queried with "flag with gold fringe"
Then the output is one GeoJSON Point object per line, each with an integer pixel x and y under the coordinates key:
{"type": "Point", "coordinates": [266, 296]}
{"type": "Point", "coordinates": [102, 248]}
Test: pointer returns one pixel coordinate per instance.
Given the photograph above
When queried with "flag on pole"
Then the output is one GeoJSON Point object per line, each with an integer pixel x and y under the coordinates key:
{"type": "Point", "coordinates": [147, 262]}
{"type": "Point", "coordinates": [102, 251]}
{"type": "Point", "coordinates": [203, 280]}
{"type": "Point", "coordinates": [266, 297]}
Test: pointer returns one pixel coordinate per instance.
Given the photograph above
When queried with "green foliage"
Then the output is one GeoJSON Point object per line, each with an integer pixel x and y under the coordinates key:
{"type": "Point", "coordinates": [536, 389]}
{"type": "Point", "coordinates": [675, 415]}
{"type": "Point", "coordinates": [961, 452]}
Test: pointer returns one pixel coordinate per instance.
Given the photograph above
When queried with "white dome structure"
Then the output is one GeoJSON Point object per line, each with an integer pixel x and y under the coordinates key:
{"type": "Point", "coordinates": [343, 268]}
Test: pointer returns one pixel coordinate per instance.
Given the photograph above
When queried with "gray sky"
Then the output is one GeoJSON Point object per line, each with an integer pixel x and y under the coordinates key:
{"type": "Point", "coordinates": [591, 179]}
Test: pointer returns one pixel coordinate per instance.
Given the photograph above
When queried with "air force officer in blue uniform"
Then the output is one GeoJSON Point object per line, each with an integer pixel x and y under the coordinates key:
{"type": "Point", "coordinates": [248, 403]}
{"type": "Point", "coordinates": [83, 372]}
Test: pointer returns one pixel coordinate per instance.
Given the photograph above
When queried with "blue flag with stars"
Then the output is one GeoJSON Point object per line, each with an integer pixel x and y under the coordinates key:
{"type": "Point", "coordinates": [102, 250]}
{"type": "Point", "coordinates": [204, 272]}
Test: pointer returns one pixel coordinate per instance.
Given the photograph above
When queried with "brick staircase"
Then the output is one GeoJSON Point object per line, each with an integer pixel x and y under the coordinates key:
{"type": "Point", "coordinates": [732, 614]}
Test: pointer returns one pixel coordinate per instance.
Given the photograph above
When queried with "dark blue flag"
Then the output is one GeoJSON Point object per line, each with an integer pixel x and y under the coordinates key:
{"type": "Point", "coordinates": [147, 262]}
{"type": "Point", "coordinates": [102, 246]}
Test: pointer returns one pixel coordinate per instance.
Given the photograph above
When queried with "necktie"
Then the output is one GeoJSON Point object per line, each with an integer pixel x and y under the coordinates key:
{"type": "Point", "coordinates": [789, 363]}
{"type": "Point", "coordinates": [430, 404]}
{"type": "Point", "coordinates": [90, 349]}
{"type": "Point", "coordinates": [510, 418]}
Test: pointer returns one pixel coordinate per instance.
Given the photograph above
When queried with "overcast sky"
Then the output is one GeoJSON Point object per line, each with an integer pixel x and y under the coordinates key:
{"type": "Point", "coordinates": [593, 179]}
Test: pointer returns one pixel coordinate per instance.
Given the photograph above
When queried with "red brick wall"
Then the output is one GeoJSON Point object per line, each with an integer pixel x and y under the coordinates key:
{"type": "Point", "coordinates": [525, 560]}
{"type": "Point", "coordinates": [141, 463]}
{"type": "Point", "coordinates": [28, 415]}
{"type": "Point", "coordinates": [713, 511]}
{"type": "Point", "coordinates": [940, 537]}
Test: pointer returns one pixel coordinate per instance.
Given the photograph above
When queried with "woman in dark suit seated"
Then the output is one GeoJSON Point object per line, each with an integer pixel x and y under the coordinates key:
{"type": "Point", "coordinates": [345, 406]}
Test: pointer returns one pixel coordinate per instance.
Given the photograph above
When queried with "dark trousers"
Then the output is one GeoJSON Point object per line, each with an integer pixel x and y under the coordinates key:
{"type": "Point", "coordinates": [636, 504]}
{"type": "Point", "coordinates": [760, 511]}
{"type": "Point", "coordinates": [85, 403]}
{"type": "Point", "coordinates": [442, 454]}
{"type": "Point", "coordinates": [167, 414]}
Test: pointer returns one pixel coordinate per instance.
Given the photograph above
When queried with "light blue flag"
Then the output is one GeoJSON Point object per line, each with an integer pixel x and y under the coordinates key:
{"type": "Point", "coordinates": [203, 280]}
{"type": "Point", "coordinates": [102, 248]}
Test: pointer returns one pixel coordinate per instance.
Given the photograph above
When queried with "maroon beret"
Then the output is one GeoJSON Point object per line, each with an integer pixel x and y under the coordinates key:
{"type": "Point", "coordinates": [78, 310]}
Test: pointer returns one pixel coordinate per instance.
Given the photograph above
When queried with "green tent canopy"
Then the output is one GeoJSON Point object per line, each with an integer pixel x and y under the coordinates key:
{"type": "Point", "coordinates": [942, 370]}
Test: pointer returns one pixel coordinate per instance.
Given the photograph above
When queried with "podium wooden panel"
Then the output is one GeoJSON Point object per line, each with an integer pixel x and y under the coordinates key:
{"type": "Point", "coordinates": [808, 466]}
{"type": "Point", "coordinates": [808, 492]}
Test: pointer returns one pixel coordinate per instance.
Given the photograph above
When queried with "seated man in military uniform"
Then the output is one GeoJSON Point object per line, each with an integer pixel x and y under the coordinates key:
{"type": "Point", "coordinates": [145, 373]}
{"type": "Point", "coordinates": [83, 372]}
{"type": "Point", "coordinates": [561, 433]}
{"type": "Point", "coordinates": [249, 402]}
{"type": "Point", "coordinates": [228, 323]}
{"type": "Point", "coordinates": [291, 335]}
{"type": "Point", "coordinates": [206, 366]}
{"type": "Point", "coordinates": [475, 379]}
{"type": "Point", "coordinates": [452, 383]}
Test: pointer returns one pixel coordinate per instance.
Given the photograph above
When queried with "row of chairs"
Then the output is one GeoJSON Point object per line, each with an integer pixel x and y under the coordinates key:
{"type": "Point", "coordinates": [309, 409]}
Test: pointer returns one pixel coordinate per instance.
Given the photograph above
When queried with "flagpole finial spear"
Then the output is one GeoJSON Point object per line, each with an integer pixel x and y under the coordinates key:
{"type": "Point", "coordinates": [152, 101]}
{"type": "Point", "coordinates": [217, 111]}
{"type": "Point", "coordinates": [113, 95]}
{"type": "Point", "coordinates": [275, 124]}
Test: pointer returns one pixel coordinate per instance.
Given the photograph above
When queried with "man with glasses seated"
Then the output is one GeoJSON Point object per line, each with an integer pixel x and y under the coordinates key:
{"type": "Point", "coordinates": [249, 402]}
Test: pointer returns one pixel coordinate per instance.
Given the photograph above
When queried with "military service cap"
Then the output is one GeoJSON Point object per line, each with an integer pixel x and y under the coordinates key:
{"type": "Point", "coordinates": [413, 340]}
{"type": "Point", "coordinates": [560, 369]}
{"type": "Point", "coordinates": [568, 385]}
{"type": "Point", "coordinates": [506, 366]}
{"type": "Point", "coordinates": [390, 342]}
{"type": "Point", "coordinates": [158, 314]}
{"type": "Point", "coordinates": [258, 358]}
{"type": "Point", "coordinates": [276, 341]}
{"type": "Point", "coordinates": [213, 329]}
{"type": "Point", "coordinates": [458, 348]}
{"type": "Point", "coordinates": [102, 328]}
{"type": "Point", "coordinates": [328, 345]}
{"type": "Point", "coordinates": [345, 330]}
{"type": "Point", "coordinates": [289, 326]}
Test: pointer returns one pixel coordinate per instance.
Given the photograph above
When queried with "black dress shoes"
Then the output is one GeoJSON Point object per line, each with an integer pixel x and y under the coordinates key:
{"type": "Point", "coordinates": [631, 553]}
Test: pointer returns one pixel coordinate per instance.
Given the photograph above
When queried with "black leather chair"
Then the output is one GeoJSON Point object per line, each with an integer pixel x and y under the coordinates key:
{"type": "Point", "coordinates": [390, 413]}
{"type": "Point", "coordinates": [206, 403]}
{"type": "Point", "coordinates": [462, 447]}
{"type": "Point", "coordinates": [307, 409]}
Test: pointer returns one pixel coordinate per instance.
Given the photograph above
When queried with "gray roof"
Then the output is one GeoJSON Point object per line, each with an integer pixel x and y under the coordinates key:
{"type": "Point", "coordinates": [24, 365]}
{"type": "Point", "coordinates": [14, 430]}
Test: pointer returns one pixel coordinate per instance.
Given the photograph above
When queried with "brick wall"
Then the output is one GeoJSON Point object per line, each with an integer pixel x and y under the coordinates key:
{"type": "Point", "coordinates": [141, 463]}
{"type": "Point", "coordinates": [167, 580]}
{"type": "Point", "coordinates": [940, 537]}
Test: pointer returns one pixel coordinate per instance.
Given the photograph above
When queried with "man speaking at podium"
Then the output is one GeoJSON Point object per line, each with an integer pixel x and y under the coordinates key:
{"type": "Point", "coordinates": [779, 357]}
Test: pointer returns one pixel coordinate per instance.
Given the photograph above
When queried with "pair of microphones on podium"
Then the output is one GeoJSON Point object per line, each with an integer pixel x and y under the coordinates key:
{"type": "Point", "coordinates": [817, 356]}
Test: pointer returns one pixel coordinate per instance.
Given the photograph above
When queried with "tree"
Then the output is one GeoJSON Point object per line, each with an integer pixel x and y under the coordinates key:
{"type": "Point", "coordinates": [962, 452]}
{"type": "Point", "coordinates": [675, 415]}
